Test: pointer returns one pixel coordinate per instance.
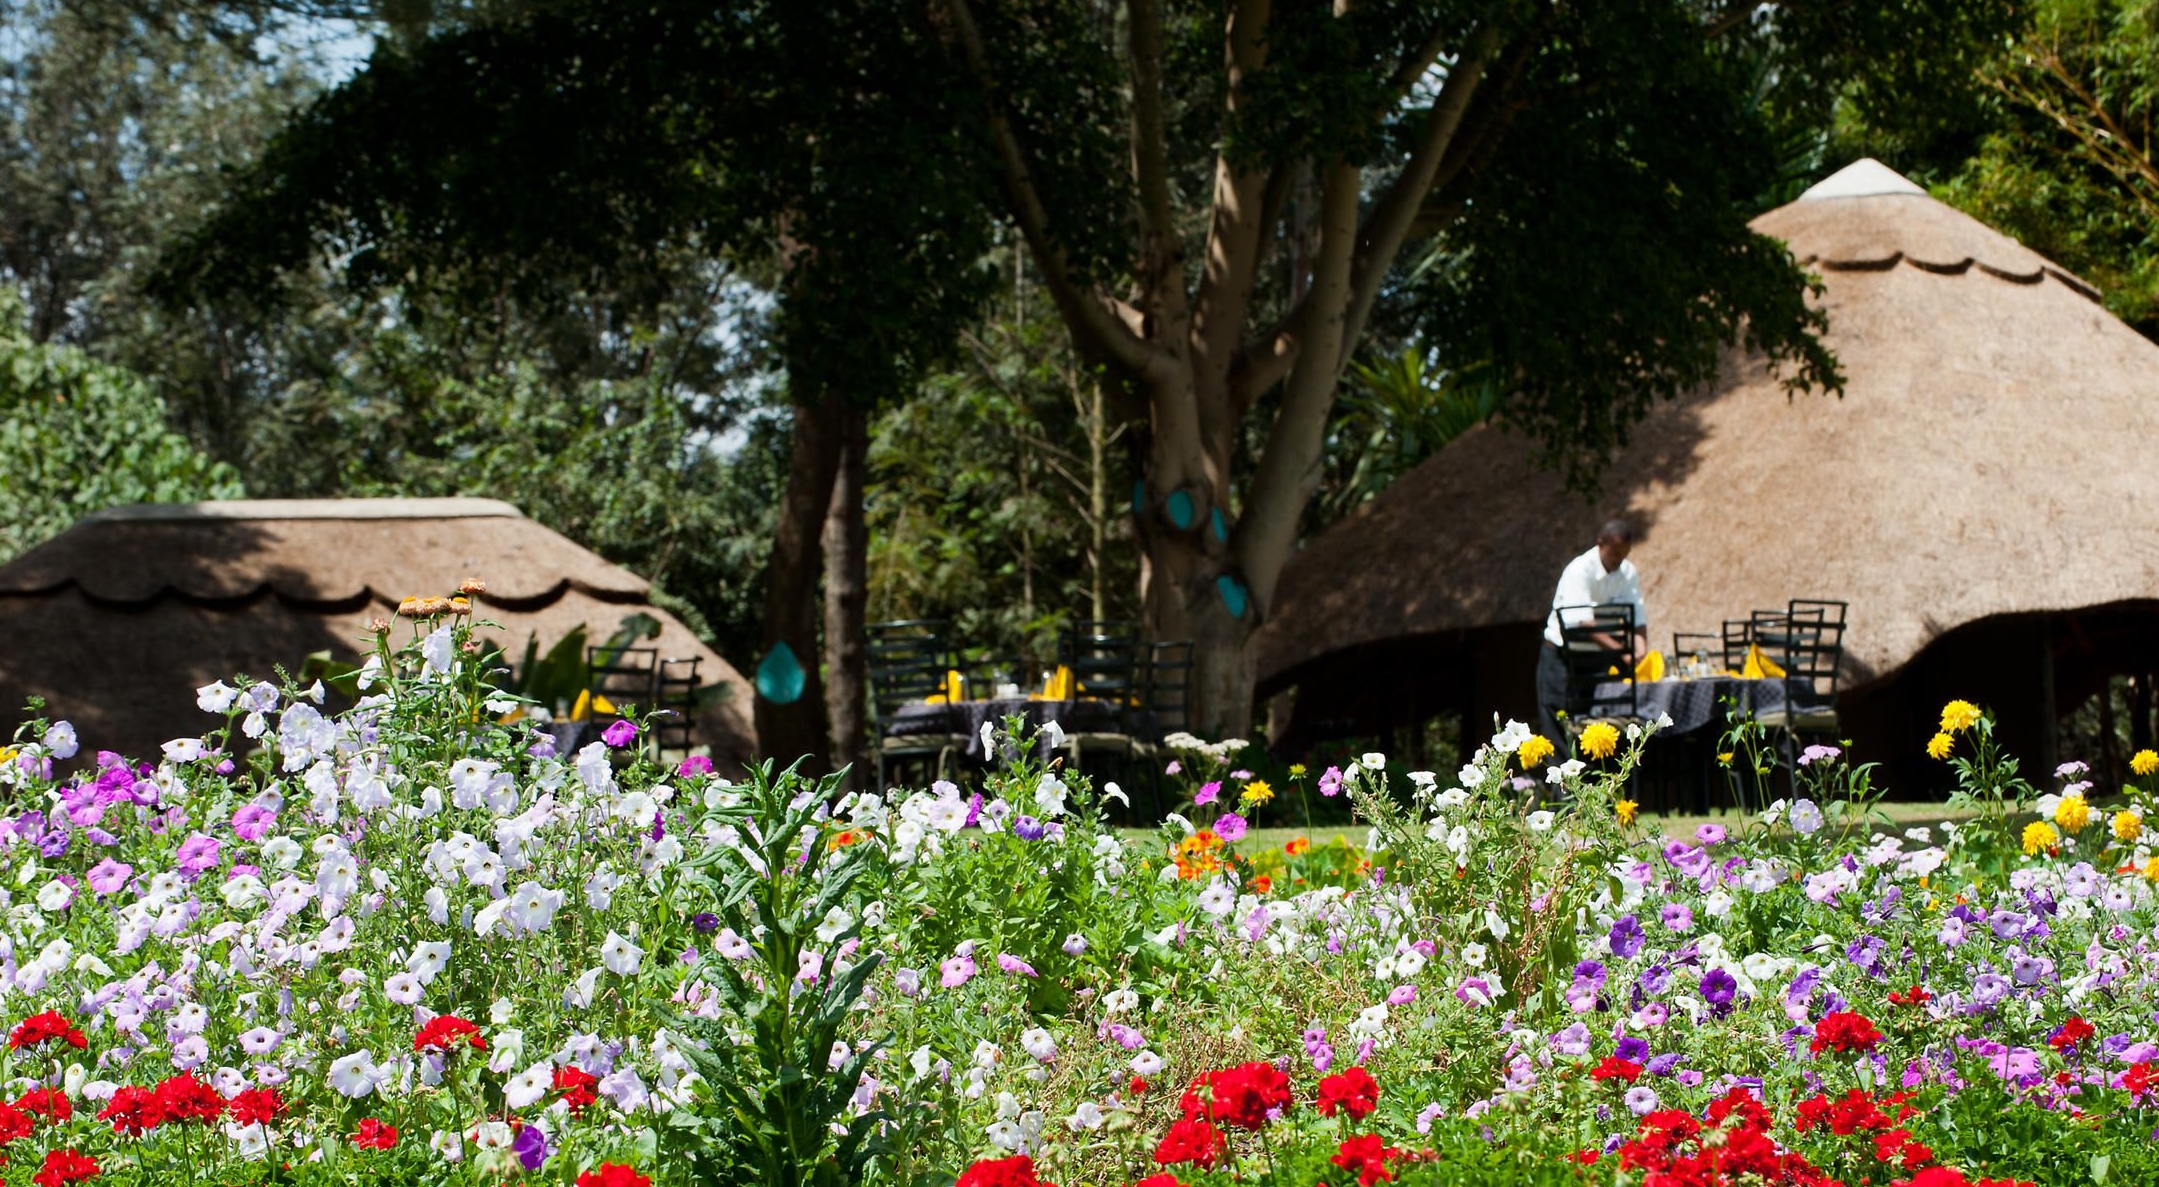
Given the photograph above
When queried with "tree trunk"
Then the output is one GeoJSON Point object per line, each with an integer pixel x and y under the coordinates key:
{"type": "Point", "coordinates": [790, 695]}
{"type": "Point", "coordinates": [847, 591]}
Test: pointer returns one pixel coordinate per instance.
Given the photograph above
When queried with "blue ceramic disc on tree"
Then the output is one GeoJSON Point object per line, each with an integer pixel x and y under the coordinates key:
{"type": "Point", "coordinates": [1233, 594]}
{"type": "Point", "coordinates": [1178, 506]}
{"type": "Point", "coordinates": [780, 678]}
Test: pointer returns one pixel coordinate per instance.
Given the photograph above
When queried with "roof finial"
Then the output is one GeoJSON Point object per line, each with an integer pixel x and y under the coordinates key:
{"type": "Point", "coordinates": [1863, 178]}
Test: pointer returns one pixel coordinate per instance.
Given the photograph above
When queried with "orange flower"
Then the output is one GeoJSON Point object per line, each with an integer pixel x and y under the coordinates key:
{"type": "Point", "coordinates": [1262, 884]}
{"type": "Point", "coordinates": [1298, 846]}
{"type": "Point", "coordinates": [843, 838]}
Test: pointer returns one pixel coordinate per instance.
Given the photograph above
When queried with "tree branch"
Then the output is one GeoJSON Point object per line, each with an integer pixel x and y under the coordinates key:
{"type": "Point", "coordinates": [1161, 271]}
{"type": "Point", "coordinates": [1240, 215]}
{"type": "Point", "coordinates": [1094, 319]}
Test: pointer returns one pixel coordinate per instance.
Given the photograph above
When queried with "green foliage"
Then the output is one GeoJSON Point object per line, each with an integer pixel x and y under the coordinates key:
{"type": "Point", "coordinates": [1396, 412]}
{"type": "Point", "coordinates": [79, 435]}
{"type": "Point", "coordinates": [780, 1092]}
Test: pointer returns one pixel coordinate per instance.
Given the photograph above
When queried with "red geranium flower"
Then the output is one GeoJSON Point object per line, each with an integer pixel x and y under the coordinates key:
{"type": "Point", "coordinates": [1241, 1096]}
{"type": "Point", "coordinates": [1368, 1157]}
{"type": "Point", "coordinates": [1165, 1179]}
{"type": "Point", "coordinates": [1915, 996]}
{"type": "Point", "coordinates": [2141, 1078]}
{"type": "Point", "coordinates": [1193, 1140]}
{"type": "Point", "coordinates": [14, 1123]}
{"type": "Point", "coordinates": [50, 1103]}
{"type": "Point", "coordinates": [1846, 1032]}
{"type": "Point", "coordinates": [1017, 1171]}
{"type": "Point", "coordinates": [257, 1106]}
{"type": "Point", "coordinates": [63, 1167]}
{"type": "Point", "coordinates": [185, 1098]}
{"type": "Point", "coordinates": [39, 1029]}
{"type": "Point", "coordinates": [2070, 1033]}
{"type": "Point", "coordinates": [577, 1087]}
{"type": "Point", "coordinates": [374, 1135]}
{"type": "Point", "coordinates": [1612, 1067]}
{"type": "Point", "coordinates": [133, 1110]}
{"type": "Point", "coordinates": [1353, 1091]}
{"type": "Point", "coordinates": [446, 1031]}
{"type": "Point", "coordinates": [613, 1174]}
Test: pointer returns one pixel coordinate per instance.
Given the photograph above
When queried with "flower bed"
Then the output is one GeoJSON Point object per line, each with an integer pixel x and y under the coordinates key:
{"type": "Point", "coordinates": [408, 943]}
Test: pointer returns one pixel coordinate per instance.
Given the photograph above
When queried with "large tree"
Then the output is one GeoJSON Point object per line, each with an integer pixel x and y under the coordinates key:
{"type": "Point", "coordinates": [515, 162]}
{"type": "Point", "coordinates": [1221, 195]}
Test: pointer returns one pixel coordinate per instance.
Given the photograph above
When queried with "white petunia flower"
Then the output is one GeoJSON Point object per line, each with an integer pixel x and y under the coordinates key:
{"type": "Point", "coordinates": [621, 957]}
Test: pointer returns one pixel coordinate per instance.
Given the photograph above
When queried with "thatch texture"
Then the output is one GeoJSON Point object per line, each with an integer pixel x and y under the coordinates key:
{"type": "Point", "coordinates": [1990, 456]}
{"type": "Point", "coordinates": [118, 619]}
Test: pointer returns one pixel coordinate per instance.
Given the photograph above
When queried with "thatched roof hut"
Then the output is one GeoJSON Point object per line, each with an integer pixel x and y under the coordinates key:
{"type": "Point", "coordinates": [1983, 494]}
{"type": "Point", "coordinates": [118, 619]}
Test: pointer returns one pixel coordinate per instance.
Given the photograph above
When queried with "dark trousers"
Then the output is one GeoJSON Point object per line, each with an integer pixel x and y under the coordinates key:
{"type": "Point", "coordinates": [1551, 692]}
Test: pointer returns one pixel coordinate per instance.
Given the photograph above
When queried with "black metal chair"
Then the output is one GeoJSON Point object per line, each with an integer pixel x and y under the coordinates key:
{"type": "Point", "coordinates": [1166, 694]}
{"type": "Point", "coordinates": [1104, 657]}
{"type": "Point", "coordinates": [1738, 636]}
{"type": "Point", "coordinates": [910, 661]}
{"type": "Point", "coordinates": [623, 679]}
{"type": "Point", "coordinates": [1808, 638]}
{"type": "Point", "coordinates": [1696, 645]}
{"type": "Point", "coordinates": [675, 690]}
{"type": "Point", "coordinates": [1594, 666]}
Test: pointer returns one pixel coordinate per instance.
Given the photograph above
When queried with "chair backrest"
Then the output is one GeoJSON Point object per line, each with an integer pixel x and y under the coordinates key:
{"type": "Point", "coordinates": [1104, 656]}
{"type": "Point", "coordinates": [1702, 645]}
{"type": "Point", "coordinates": [1168, 690]}
{"type": "Point", "coordinates": [908, 660]}
{"type": "Point", "coordinates": [1814, 645]}
{"type": "Point", "coordinates": [624, 676]}
{"type": "Point", "coordinates": [1738, 636]}
{"type": "Point", "coordinates": [675, 688]}
{"type": "Point", "coordinates": [1593, 663]}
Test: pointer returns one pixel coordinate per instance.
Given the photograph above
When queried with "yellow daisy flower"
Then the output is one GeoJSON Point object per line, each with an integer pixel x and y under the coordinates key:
{"type": "Point", "coordinates": [2144, 762]}
{"type": "Point", "coordinates": [2039, 835]}
{"type": "Point", "coordinates": [1624, 810]}
{"type": "Point", "coordinates": [1958, 716]}
{"type": "Point", "coordinates": [1938, 746]}
{"type": "Point", "coordinates": [1533, 751]}
{"type": "Point", "coordinates": [2072, 813]}
{"type": "Point", "coordinates": [2128, 826]}
{"type": "Point", "coordinates": [1600, 739]}
{"type": "Point", "coordinates": [1257, 792]}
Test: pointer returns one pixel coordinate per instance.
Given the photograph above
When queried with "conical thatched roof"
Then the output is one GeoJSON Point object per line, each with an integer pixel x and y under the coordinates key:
{"type": "Point", "coordinates": [1992, 454]}
{"type": "Point", "coordinates": [118, 619]}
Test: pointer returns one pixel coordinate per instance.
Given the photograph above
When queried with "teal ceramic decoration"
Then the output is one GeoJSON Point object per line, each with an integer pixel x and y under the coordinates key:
{"type": "Point", "coordinates": [1233, 594]}
{"type": "Point", "coordinates": [780, 678]}
{"type": "Point", "coordinates": [1139, 497]}
{"type": "Point", "coordinates": [1221, 525]}
{"type": "Point", "coordinates": [1180, 509]}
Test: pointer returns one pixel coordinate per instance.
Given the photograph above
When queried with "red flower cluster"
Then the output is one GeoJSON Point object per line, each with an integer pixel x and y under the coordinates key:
{"type": "Point", "coordinates": [446, 1031]}
{"type": "Point", "coordinates": [1679, 1150]}
{"type": "Point", "coordinates": [577, 1086]}
{"type": "Point", "coordinates": [135, 1110]}
{"type": "Point", "coordinates": [1240, 1096]}
{"type": "Point", "coordinates": [374, 1135]}
{"type": "Point", "coordinates": [63, 1167]}
{"type": "Point", "coordinates": [613, 1174]}
{"type": "Point", "coordinates": [50, 1103]}
{"type": "Point", "coordinates": [1915, 996]}
{"type": "Point", "coordinates": [1354, 1092]}
{"type": "Point", "coordinates": [1846, 1032]}
{"type": "Point", "coordinates": [40, 1029]}
{"type": "Point", "coordinates": [1367, 1156]}
{"type": "Point", "coordinates": [1193, 1140]}
{"type": "Point", "coordinates": [2070, 1034]}
{"type": "Point", "coordinates": [14, 1123]}
{"type": "Point", "coordinates": [2141, 1078]}
{"type": "Point", "coordinates": [1854, 1112]}
{"type": "Point", "coordinates": [1612, 1067]}
{"type": "Point", "coordinates": [256, 1106]}
{"type": "Point", "coordinates": [1017, 1171]}
{"type": "Point", "coordinates": [1165, 1179]}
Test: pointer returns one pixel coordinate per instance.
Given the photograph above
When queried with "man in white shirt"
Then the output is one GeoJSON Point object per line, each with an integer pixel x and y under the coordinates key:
{"type": "Point", "coordinates": [1602, 576]}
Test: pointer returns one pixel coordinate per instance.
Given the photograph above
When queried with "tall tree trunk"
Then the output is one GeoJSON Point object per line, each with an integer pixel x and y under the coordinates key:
{"type": "Point", "coordinates": [790, 695]}
{"type": "Point", "coordinates": [847, 591]}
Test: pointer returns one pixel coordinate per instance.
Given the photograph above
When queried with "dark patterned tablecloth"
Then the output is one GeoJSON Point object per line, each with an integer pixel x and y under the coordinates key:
{"type": "Point", "coordinates": [966, 718]}
{"type": "Point", "coordinates": [1694, 704]}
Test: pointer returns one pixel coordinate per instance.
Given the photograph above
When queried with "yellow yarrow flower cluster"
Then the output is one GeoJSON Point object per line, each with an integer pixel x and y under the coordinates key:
{"type": "Point", "coordinates": [2151, 869]}
{"type": "Point", "coordinates": [2128, 826]}
{"type": "Point", "coordinates": [1624, 810]}
{"type": "Point", "coordinates": [1600, 739]}
{"type": "Point", "coordinates": [2144, 762]}
{"type": "Point", "coordinates": [1939, 745]}
{"type": "Point", "coordinates": [2073, 813]}
{"type": "Point", "coordinates": [1534, 750]}
{"type": "Point", "coordinates": [1257, 792]}
{"type": "Point", "coordinates": [2039, 835]}
{"type": "Point", "coordinates": [1958, 716]}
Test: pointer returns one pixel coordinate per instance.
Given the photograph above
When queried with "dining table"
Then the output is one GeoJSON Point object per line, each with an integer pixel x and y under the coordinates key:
{"type": "Point", "coordinates": [1696, 702]}
{"type": "Point", "coordinates": [952, 718]}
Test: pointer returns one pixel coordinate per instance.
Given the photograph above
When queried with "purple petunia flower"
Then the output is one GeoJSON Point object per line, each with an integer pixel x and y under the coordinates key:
{"type": "Point", "coordinates": [1719, 987]}
{"type": "Point", "coordinates": [693, 766]}
{"type": "Point", "coordinates": [1330, 781]}
{"type": "Point", "coordinates": [619, 734]}
{"type": "Point", "coordinates": [1027, 828]}
{"type": "Point", "coordinates": [1013, 964]}
{"type": "Point", "coordinates": [705, 922]}
{"type": "Point", "coordinates": [1230, 827]}
{"type": "Point", "coordinates": [1626, 936]}
{"type": "Point", "coordinates": [532, 1146]}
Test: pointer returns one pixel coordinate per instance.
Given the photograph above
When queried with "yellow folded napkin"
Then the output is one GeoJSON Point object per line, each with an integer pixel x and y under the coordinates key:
{"type": "Point", "coordinates": [587, 704]}
{"type": "Point", "coordinates": [1650, 668]}
{"type": "Point", "coordinates": [1759, 666]}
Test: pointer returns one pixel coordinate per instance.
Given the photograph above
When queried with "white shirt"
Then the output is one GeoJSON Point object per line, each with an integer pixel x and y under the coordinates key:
{"type": "Point", "coordinates": [1584, 583]}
